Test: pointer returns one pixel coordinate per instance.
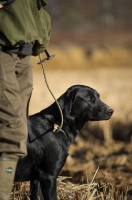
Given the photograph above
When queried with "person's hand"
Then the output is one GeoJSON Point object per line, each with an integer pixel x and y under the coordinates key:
{"type": "Point", "coordinates": [1, 6]}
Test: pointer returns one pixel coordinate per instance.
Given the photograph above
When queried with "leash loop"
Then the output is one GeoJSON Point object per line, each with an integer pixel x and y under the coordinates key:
{"type": "Point", "coordinates": [57, 128]}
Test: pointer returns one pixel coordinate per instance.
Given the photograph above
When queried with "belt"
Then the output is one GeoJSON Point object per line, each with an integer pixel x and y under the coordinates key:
{"type": "Point", "coordinates": [25, 50]}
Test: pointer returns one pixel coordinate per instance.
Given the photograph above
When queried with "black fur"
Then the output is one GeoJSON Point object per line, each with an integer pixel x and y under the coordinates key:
{"type": "Point", "coordinates": [47, 150]}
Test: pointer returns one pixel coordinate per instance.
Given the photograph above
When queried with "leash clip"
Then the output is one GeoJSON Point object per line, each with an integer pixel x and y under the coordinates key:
{"type": "Point", "coordinates": [49, 57]}
{"type": "Point", "coordinates": [56, 128]}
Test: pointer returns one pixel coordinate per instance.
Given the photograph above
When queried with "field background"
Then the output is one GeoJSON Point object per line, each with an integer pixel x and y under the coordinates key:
{"type": "Point", "coordinates": [92, 43]}
{"type": "Point", "coordinates": [106, 144]}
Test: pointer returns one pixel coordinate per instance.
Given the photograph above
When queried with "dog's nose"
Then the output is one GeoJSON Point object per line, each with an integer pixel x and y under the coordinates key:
{"type": "Point", "coordinates": [110, 111]}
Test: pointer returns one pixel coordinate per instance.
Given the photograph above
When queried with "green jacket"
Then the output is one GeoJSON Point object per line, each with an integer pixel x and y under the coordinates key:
{"type": "Point", "coordinates": [24, 21]}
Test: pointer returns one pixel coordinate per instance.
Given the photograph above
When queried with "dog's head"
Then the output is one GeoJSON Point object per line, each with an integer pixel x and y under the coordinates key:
{"type": "Point", "coordinates": [84, 102]}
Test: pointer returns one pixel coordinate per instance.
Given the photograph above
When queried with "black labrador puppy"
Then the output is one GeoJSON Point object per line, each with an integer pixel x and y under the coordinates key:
{"type": "Point", "coordinates": [48, 150]}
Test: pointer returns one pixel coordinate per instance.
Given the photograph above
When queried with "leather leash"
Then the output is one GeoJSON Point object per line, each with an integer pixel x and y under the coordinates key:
{"type": "Point", "coordinates": [57, 128]}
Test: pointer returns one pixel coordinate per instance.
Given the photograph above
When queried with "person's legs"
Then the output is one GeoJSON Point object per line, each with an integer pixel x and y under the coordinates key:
{"type": "Point", "coordinates": [25, 80]}
{"type": "Point", "coordinates": [15, 91]}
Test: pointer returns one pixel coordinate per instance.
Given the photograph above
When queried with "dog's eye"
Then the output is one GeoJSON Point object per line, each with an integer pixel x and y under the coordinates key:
{"type": "Point", "coordinates": [90, 98]}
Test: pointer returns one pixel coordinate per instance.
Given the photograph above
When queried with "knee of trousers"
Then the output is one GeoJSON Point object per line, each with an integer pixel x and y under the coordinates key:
{"type": "Point", "coordinates": [13, 137]}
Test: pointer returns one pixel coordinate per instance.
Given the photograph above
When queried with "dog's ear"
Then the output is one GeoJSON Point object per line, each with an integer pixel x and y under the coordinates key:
{"type": "Point", "coordinates": [68, 101]}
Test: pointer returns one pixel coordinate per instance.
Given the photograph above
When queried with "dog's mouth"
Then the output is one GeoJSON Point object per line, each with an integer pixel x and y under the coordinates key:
{"type": "Point", "coordinates": [108, 117]}
{"type": "Point", "coordinates": [105, 115]}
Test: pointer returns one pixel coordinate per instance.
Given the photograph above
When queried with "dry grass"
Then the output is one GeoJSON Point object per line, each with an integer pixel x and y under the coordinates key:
{"type": "Point", "coordinates": [69, 191]}
{"type": "Point", "coordinates": [86, 57]}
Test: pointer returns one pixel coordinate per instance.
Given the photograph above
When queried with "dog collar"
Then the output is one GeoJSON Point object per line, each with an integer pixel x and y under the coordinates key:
{"type": "Point", "coordinates": [57, 129]}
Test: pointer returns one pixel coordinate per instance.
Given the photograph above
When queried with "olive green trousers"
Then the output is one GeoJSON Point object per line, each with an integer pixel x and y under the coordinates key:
{"type": "Point", "coordinates": [16, 84]}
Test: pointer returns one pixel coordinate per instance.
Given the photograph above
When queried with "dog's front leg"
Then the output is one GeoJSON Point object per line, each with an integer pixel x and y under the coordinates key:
{"type": "Point", "coordinates": [48, 186]}
{"type": "Point", "coordinates": [35, 189]}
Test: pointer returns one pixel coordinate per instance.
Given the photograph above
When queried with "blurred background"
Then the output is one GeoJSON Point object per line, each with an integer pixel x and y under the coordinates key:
{"type": "Point", "coordinates": [92, 43]}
